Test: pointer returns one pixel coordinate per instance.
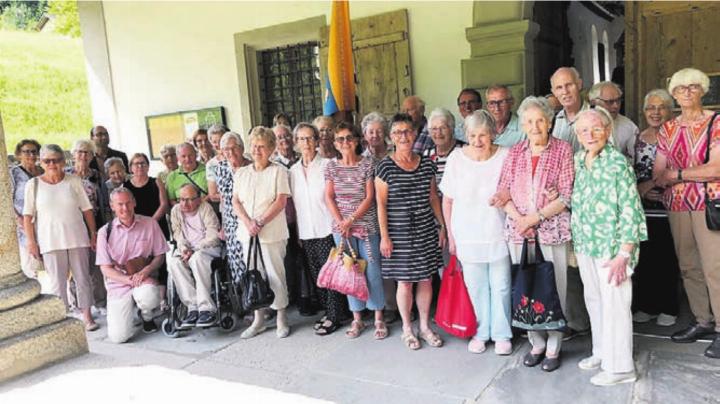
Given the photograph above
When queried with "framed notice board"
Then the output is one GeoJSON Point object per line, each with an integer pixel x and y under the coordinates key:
{"type": "Point", "coordinates": [176, 127]}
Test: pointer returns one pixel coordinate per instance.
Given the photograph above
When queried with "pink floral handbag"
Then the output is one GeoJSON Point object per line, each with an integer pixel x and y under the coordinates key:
{"type": "Point", "coordinates": [344, 272]}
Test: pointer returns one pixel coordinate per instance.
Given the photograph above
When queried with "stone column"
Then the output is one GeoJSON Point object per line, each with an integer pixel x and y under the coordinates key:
{"type": "Point", "coordinates": [501, 47]}
{"type": "Point", "coordinates": [34, 329]}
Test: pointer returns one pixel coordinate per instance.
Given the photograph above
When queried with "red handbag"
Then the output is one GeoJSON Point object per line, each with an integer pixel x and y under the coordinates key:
{"type": "Point", "coordinates": [455, 313]}
{"type": "Point", "coordinates": [344, 272]}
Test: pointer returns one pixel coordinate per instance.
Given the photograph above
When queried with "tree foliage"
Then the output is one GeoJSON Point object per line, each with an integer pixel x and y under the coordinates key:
{"type": "Point", "coordinates": [21, 15]}
{"type": "Point", "coordinates": [67, 19]}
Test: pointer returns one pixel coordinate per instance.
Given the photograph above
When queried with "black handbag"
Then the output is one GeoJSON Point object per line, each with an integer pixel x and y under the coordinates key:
{"type": "Point", "coordinates": [535, 300]}
{"type": "Point", "coordinates": [712, 206]}
{"type": "Point", "coordinates": [256, 292]}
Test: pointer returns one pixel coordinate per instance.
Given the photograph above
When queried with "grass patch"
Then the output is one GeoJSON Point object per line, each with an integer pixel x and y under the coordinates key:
{"type": "Point", "coordinates": [43, 88]}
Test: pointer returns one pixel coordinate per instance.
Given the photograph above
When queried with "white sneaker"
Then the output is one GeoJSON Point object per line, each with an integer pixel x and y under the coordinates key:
{"type": "Point", "coordinates": [282, 332]}
{"type": "Point", "coordinates": [590, 363]}
{"type": "Point", "coordinates": [642, 317]}
{"type": "Point", "coordinates": [609, 379]}
{"type": "Point", "coordinates": [476, 346]}
{"type": "Point", "coordinates": [666, 320]}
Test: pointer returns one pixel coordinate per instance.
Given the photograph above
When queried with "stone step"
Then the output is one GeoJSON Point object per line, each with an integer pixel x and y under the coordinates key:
{"type": "Point", "coordinates": [16, 290]}
{"type": "Point", "coordinates": [46, 309]}
{"type": "Point", "coordinates": [41, 347]}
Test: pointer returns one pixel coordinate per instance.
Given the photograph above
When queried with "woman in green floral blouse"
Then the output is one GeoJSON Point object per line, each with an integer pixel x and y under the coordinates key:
{"type": "Point", "coordinates": [607, 225]}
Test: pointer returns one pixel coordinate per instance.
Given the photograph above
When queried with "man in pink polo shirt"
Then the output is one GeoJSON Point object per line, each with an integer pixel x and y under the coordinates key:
{"type": "Point", "coordinates": [129, 258]}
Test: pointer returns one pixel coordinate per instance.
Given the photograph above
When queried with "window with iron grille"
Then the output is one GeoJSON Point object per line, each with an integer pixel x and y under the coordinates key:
{"type": "Point", "coordinates": [290, 82]}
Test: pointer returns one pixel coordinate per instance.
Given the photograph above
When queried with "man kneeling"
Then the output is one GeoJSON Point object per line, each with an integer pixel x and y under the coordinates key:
{"type": "Point", "coordinates": [130, 249]}
{"type": "Point", "coordinates": [195, 229]}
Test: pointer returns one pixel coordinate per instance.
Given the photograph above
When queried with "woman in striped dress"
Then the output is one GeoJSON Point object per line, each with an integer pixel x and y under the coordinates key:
{"type": "Point", "coordinates": [412, 228]}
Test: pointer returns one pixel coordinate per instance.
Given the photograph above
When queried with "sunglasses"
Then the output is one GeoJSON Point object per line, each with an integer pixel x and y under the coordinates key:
{"type": "Point", "coordinates": [52, 161]}
{"type": "Point", "coordinates": [343, 139]}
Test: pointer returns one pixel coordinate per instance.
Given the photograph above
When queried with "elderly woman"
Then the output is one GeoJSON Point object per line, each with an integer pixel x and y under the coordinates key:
{"type": "Point", "coordinates": [117, 175]}
{"type": "Point", "coordinates": [260, 191]}
{"type": "Point", "coordinates": [285, 153]}
{"type": "Point", "coordinates": [690, 178]}
{"type": "Point", "coordinates": [350, 196]}
{"type": "Point", "coordinates": [533, 169]}
{"type": "Point", "coordinates": [441, 125]}
{"type": "Point", "coordinates": [326, 127]}
{"type": "Point", "coordinates": [26, 152]}
{"type": "Point", "coordinates": [412, 228]}
{"type": "Point", "coordinates": [307, 182]}
{"type": "Point", "coordinates": [57, 217]}
{"type": "Point", "coordinates": [215, 133]}
{"type": "Point", "coordinates": [607, 225]}
{"type": "Point", "coordinates": [83, 153]}
{"type": "Point", "coordinates": [169, 159]}
{"type": "Point", "coordinates": [202, 143]}
{"type": "Point", "coordinates": [232, 149]}
{"type": "Point", "coordinates": [475, 230]}
{"type": "Point", "coordinates": [657, 270]}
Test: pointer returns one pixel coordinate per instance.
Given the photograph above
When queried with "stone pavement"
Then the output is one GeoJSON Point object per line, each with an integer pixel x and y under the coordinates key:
{"type": "Point", "coordinates": [336, 369]}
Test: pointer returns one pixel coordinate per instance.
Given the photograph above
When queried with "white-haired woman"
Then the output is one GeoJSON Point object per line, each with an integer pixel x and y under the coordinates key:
{"type": "Point", "coordinates": [688, 163]}
{"type": "Point", "coordinates": [608, 224]}
{"type": "Point", "coordinates": [374, 128]}
{"type": "Point", "coordinates": [168, 155]}
{"type": "Point", "coordinates": [27, 153]}
{"type": "Point", "coordinates": [475, 230]}
{"type": "Point", "coordinates": [60, 226]}
{"type": "Point", "coordinates": [116, 173]}
{"type": "Point", "coordinates": [657, 270]}
{"type": "Point", "coordinates": [441, 125]}
{"type": "Point", "coordinates": [534, 170]}
{"type": "Point", "coordinates": [260, 192]}
{"type": "Point", "coordinates": [326, 127]}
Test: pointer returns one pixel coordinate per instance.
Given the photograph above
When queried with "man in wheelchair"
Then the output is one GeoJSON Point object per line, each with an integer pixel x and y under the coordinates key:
{"type": "Point", "coordinates": [195, 230]}
{"type": "Point", "coordinates": [130, 249]}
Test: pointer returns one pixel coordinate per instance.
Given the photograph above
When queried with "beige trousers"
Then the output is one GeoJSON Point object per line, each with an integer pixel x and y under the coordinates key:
{"type": "Point", "coordinates": [698, 252]}
{"type": "Point", "coordinates": [121, 310]}
{"type": "Point", "coordinates": [76, 260]}
{"type": "Point", "coordinates": [193, 280]}
{"type": "Point", "coordinates": [550, 341]}
{"type": "Point", "coordinates": [610, 315]}
{"type": "Point", "coordinates": [273, 256]}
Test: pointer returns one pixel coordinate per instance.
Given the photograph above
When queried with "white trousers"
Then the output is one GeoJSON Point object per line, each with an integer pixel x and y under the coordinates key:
{"type": "Point", "coordinates": [121, 310]}
{"type": "Point", "coordinates": [610, 315]}
{"type": "Point", "coordinates": [549, 341]}
{"type": "Point", "coordinates": [273, 256]}
{"type": "Point", "coordinates": [193, 280]}
{"type": "Point", "coordinates": [76, 260]}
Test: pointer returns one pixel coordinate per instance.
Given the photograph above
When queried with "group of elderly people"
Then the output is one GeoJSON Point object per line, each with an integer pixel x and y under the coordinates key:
{"type": "Point", "coordinates": [578, 182]}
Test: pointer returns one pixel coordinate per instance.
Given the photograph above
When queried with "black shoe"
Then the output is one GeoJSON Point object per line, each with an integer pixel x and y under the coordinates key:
{"type": "Point", "coordinates": [571, 333]}
{"type": "Point", "coordinates": [531, 359]}
{"type": "Point", "coordinates": [149, 327]}
{"type": "Point", "coordinates": [190, 319]}
{"type": "Point", "coordinates": [713, 351]}
{"type": "Point", "coordinates": [692, 333]}
{"type": "Point", "coordinates": [206, 319]}
{"type": "Point", "coordinates": [550, 364]}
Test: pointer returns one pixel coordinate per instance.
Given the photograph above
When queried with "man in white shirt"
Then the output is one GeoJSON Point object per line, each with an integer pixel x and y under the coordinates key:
{"type": "Point", "coordinates": [566, 84]}
{"type": "Point", "coordinates": [608, 95]}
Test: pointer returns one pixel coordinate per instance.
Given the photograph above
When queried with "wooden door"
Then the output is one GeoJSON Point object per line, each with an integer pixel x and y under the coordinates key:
{"type": "Point", "coordinates": [381, 51]}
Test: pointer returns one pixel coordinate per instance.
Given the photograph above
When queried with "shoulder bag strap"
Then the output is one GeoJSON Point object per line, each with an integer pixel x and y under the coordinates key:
{"type": "Point", "coordinates": [707, 147]}
{"type": "Point", "coordinates": [258, 253]}
{"type": "Point", "coordinates": [202, 191]}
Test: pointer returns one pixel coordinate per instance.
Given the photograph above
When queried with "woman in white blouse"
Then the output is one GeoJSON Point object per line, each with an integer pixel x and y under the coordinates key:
{"type": "Point", "coordinates": [57, 218]}
{"type": "Point", "coordinates": [476, 230]}
{"type": "Point", "coordinates": [307, 182]}
{"type": "Point", "coordinates": [260, 193]}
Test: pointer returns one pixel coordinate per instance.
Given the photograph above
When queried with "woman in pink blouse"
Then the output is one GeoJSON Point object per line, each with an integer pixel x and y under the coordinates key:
{"type": "Point", "coordinates": [534, 171]}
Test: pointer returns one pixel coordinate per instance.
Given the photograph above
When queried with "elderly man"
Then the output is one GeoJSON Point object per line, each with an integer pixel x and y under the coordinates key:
{"type": "Point", "coordinates": [195, 229]}
{"type": "Point", "coordinates": [130, 249]}
{"type": "Point", "coordinates": [468, 101]}
{"type": "Point", "coordinates": [500, 103]}
{"type": "Point", "coordinates": [190, 171]}
{"type": "Point", "coordinates": [99, 135]}
{"type": "Point", "coordinates": [415, 107]}
{"type": "Point", "coordinates": [566, 84]}
{"type": "Point", "coordinates": [609, 96]}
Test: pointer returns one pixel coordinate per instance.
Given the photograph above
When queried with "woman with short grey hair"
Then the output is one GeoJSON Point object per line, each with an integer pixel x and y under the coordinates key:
{"type": "Point", "coordinates": [116, 172]}
{"type": "Point", "coordinates": [168, 155]}
{"type": "Point", "coordinates": [214, 133]}
{"type": "Point", "coordinates": [441, 126]}
{"type": "Point", "coordinates": [375, 133]}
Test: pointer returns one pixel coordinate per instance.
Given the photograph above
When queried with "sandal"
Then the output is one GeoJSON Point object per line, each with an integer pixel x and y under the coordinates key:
{"type": "Point", "coordinates": [410, 340]}
{"type": "Point", "coordinates": [318, 324]}
{"type": "Point", "coordinates": [91, 326]}
{"type": "Point", "coordinates": [327, 327]}
{"type": "Point", "coordinates": [356, 328]}
{"type": "Point", "coordinates": [381, 331]}
{"type": "Point", "coordinates": [431, 338]}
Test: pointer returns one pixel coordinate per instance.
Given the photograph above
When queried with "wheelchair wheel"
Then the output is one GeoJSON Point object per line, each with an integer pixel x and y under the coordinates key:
{"type": "Point", "coordinates": [227, 322]}
{"type": "Point", "coordinates": [168, 328]}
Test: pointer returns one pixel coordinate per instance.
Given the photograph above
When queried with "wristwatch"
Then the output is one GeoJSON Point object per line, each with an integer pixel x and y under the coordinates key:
{"type": "Point", "coordinates": [680, 175]}
{"type": "Point", "coordinates": [541, 216]}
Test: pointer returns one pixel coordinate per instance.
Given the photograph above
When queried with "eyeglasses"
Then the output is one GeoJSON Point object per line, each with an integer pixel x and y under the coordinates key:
{"type": "Point", "coordinates": [325, 130]}
{"type": "Point", "coordinates": [617, 101]}
{"type": "Point", "coordinates": [304, 138]}
{"type": "Point", "coordinates": [438, 129]}
{"type": "Point", "coordinates": [343, 139]}
{"type": "Point", "coordinates": [188, 200]}
{"type": "Point", "coordinates": [404, 132]}
{"type": "Point", "coordinates": [656, 108]}
{"type": "Point", "coordinates": [596, 131]}
{"type": "Point", "coordinates": [694, 88]}
{"type": "Point", "coordinates": [52, 161]}
{"type": "Point", "coordinates": [82, 151]}
{"type": "Point", "coordinates": [498, 103]}
{"type": "Point", "coordinates": [31, 152]}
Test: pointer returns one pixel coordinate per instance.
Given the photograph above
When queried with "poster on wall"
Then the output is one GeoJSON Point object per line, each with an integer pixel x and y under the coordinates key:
{"type": "Point", "coordinates": [177, 127]}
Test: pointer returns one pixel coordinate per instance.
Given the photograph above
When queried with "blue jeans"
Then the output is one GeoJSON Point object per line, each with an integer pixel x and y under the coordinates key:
{"type": "Point", "coordinates": [488, 285]}
{"type": "Point", "coordinates": [376, 300]}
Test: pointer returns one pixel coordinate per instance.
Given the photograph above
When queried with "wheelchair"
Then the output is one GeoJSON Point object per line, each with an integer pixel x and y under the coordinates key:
{"type": "Point", "coordinates": [225, 294]}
